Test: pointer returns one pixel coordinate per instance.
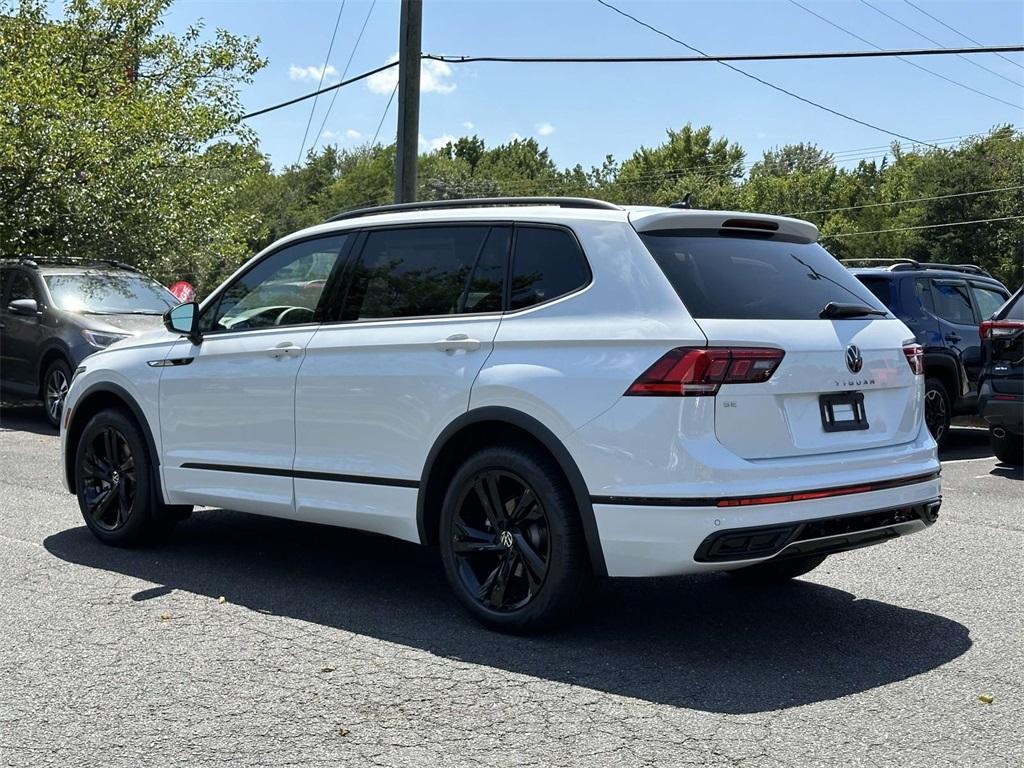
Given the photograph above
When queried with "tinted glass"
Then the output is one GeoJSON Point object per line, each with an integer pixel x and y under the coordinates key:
{"type": "Point", "coordinates": [109, 294]}
{"type": "Point", "coordinates": [21, 288]}
{"type": "Point", "coordinates": [487, 283]}
{"type": "Point", "coordinates": [754, 279]}
{"type": "Point", "coordinates": [283, 289]}
{"type": "Point", "coordinates": [923, 289]}
{"type": "Point", "coordinates": [1016, 311]}
{"type": "Point", "coordinates": [880, 286]}
{"type": "Point", "coordinates": [952, 302]}
{"type": "Point", "coordinates": [988, 300]}
{"type": "Point", "coordinates": [547, 264]}
{"type": "Point", "coordinates": [417, 272]}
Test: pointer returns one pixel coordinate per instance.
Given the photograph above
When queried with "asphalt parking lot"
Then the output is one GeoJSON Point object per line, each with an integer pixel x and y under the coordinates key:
{"type": "Point", "coordinates": [338, 648]}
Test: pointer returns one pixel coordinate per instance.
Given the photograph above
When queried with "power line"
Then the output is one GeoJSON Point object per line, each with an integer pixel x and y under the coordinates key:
{"type": "Point", "coordinates": [386, 110]}
{"type": "Point", "coordinates": [760, 80]}
{"type": "Point", "coordinates": [927, 226]}
{"type": "Point", "coordinates": [314, 94]}
{"type": "Point", "coordinates": [958, 32]}
{"type": "Point", "coordinates": [877, 54]}
{"type": "Point", "coordinates": [909, 200]}
{"type": "Point", "coordinates": [903, 59]}
{"type": "Point", "coordinates": [936, 42]}
{"type": "Point", "coordinates": [323, 72]}
{"type": "Point", "coordinates": [723, 60]}
{"type": "Point", "coordinates": [355, 47]}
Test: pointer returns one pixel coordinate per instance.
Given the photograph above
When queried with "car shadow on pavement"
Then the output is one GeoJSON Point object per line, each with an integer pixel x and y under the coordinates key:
{"type": "Point", "coordinates": [25, 417]}
{"type": "Point", "coordinates": [966, 443]}
{"type": "Point", "coordinates": [703, 642]}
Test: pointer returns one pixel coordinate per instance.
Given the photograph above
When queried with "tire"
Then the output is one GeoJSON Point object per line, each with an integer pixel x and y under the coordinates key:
{"type": "Point", "coordinates": [937, 409]}
{"type": "Point", "coordinates": [1009, 448]}
{"type": "Point", "coordinates": [54, 389]}
{"type": "Point", "coordinates": [520, 565]}
{"type": "Point", "coordinates": [778, 571]}
{"type": "Point", "coordinates": [118, 499]}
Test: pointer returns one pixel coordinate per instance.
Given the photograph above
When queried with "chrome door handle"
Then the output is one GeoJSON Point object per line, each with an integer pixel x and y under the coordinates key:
{"type": "Point", "coordinates": [284, 349]}
{"type": "Point", "coordinates": [458, 341]}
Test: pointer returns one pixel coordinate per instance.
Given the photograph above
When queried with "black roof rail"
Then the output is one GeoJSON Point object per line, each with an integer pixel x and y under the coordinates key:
{"type": "Point", "coordinates": [970, 269]}
{"type": "Point", "coordinates": [477, 202]}
{"type": "Point", "coordinates": [35, 262]}
{"type": "Point", "coordinates": [890, 263]}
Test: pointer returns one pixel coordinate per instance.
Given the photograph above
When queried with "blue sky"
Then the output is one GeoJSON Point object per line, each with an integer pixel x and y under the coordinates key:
{"type": "Point", "coordinates": [583, 112]}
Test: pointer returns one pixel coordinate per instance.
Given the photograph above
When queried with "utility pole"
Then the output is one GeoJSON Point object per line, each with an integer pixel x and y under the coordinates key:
{"type": "Point", "coordinates": [409, 51]}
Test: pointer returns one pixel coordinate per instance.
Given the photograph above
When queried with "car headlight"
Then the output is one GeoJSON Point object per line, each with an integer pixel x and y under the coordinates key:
{"type": "Point", "coordinates": [101, 340]}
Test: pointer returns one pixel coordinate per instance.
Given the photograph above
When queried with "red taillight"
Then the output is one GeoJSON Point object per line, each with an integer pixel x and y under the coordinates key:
{"type": "Point", "coordinates": [692, 371]}
{"type": "Point", "coordinates": [993, 329]}
{"type": "Point", "coordinates": [915, 358]}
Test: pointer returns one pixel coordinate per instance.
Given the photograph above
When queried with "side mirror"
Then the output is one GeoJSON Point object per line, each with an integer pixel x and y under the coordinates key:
{"type": "Point", "coordinates": [24, 307]}
{"type": "Point", "coordinates": [184, 319]}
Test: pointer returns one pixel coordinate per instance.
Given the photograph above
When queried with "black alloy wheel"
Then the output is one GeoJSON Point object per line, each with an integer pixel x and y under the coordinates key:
{"type": "Point", "coordinates": [56, 383]}
{"type": "Point", "coordinates": [107, 479]}
{"type": "Point", "coordinates": [501, 540]}
{"type": "Point", "coordinates": [936, 410]}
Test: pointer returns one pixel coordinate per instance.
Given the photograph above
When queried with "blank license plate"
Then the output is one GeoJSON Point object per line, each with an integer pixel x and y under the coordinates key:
{"type": "Point", "coordinates": [843, 412]}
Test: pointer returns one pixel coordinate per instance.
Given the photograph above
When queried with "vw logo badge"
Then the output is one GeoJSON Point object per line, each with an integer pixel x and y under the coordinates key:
{"type": "Point", "coordinates": [854, 361]}
{"type": "Point", "coordinates": [506, 539]}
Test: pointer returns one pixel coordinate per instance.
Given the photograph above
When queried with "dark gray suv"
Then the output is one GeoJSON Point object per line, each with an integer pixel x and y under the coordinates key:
{"type": "Point", "coordinates": [55, 314]}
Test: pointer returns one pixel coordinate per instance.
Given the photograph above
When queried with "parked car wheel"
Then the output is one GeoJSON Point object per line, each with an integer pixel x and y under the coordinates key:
{"type": "Point", "coordinates": [56, 382]}
{"type": "Point", "coordinates": [114, 483]}
{"type": "Point", "coordinates": [775, 571]}
{"type": "Point", "coordinates": [511, 540]}
{"type": "Point", "coordinates": [1009, 448]}
{"type": "Point", "coordinates": [937, 409]}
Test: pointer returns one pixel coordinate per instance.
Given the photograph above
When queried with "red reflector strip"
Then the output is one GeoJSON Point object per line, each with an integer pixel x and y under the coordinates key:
{"type": "Point", "coordinates": [1004, 397]}
{"type": "Point", "coordinates": [824, 493]}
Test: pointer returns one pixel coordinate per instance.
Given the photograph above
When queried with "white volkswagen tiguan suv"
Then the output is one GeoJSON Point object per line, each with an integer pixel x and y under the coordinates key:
{"type": "Point", "coordinates": [546, 389]}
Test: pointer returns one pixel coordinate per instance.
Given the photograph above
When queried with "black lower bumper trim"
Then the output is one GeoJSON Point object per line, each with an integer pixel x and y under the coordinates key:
{"type": "Point", "coordinates": [822, 536]}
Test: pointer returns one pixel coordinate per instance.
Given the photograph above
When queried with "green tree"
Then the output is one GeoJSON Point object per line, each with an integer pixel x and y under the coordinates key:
{"type": "Point", "coordinates": [118, 140]}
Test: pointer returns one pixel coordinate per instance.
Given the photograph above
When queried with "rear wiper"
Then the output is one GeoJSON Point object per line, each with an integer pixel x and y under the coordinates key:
{"type": "Point", "coordinates": [835, 309]}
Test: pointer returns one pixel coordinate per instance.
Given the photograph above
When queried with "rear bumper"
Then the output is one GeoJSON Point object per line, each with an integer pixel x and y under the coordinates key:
{"type": "Point", "coordinates": [649, 540]}
{"type": "Point", "coordinates": [1005, 413]}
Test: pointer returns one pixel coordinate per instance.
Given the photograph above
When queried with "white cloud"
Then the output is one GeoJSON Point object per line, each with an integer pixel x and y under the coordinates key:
{"type": "Point", "coordinates": [438, 141]}
{"type": "Point", "coordinates": [468, 125]}
{"type": "Point", "coordinates": [545, 129]}
{"type": "Point", "coordinates": [434, 78]}
{"type": "Point", "coordinates": [312, 73]}
{"type": "Point", "coordinates": [328, 135]}
{"type": "Point", "coordinates": [353, 134]}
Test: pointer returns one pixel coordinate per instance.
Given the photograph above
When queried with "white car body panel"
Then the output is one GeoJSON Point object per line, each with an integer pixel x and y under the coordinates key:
{"type": "Point", "coordinates": [346, 423]}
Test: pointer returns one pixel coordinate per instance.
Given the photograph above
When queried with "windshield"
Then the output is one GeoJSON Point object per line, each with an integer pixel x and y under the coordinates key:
{"type": "Point", "coordinates": [745, 278]}
{"type": "Point", "coordinates": [109, 294]}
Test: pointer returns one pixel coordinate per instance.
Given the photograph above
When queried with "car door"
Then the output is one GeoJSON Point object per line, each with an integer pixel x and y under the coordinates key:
{"type": "Point", "coordinates": [987, 301]}
{"type": "Point", "coordinates": [414, 323]}
{"type": "Point", "coordinates": [958, 324]}
{"type": "Point", "coordinates": [22, 334]}
{"type": "Point", "coordinates": [227, 404]}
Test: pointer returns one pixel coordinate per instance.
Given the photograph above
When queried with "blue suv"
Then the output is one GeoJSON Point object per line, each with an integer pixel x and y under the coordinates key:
{"type": "Point", "coordinates": [943, 304]}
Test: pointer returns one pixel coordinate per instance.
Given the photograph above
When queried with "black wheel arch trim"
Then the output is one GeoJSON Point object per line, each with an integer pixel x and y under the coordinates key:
{"type": "Point", "coordinates": [545, 437]}
{"type": "Point", "coordinates": [122, 394]}
{"type": "Point", "coordinates": [952, 365]}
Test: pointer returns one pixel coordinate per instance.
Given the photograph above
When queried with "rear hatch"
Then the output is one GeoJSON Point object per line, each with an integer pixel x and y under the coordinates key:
{"type": "Point", "coordinates": [844, 382]}
{"type": "Point", "coordinates": [1002, 340]}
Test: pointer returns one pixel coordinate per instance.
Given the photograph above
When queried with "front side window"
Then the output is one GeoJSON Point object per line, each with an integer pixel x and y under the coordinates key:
{"type": "Point", "coordinates": [427, 271]}
{"type": "Point", "coordinates": [747, 278]}
{"type": "Point", "coordinates": [102, 293]}
{"type": "Point", "coordinates": [283, 289]}
{"type": "Point", "coordinates": [547, 263]}
{"type": "Point", "coordinates": [21, 288]}
{"type": "Point", "coordinates": [988, 300]}
{"type": "Point", "coordinates": [952, 302]}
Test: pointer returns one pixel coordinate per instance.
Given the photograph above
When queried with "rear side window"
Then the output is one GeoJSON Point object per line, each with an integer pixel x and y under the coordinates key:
{"type": "Point", "coordinates": [988, 300]}
{"type": "Point", "coordinates": [923, 290]}
{"type": "Point", "coordinates": [952, 302]}
{"type": "Point", "coordinates": [720, 276]}
{"type": "Point", "coordinates": [427, 271]}
{"type": "Point", "coordinates": [547, 263]}
{"type": "Point", "coordinates": [880, 286]}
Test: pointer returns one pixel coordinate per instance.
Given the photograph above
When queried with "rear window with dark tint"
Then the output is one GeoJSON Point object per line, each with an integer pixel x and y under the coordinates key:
{"type": "Point", "coordinates": [547, 263]}
{"type": "Point", "coordinates": [729, 277]}
{"type": "Point", "coordinates": [880, 286]}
